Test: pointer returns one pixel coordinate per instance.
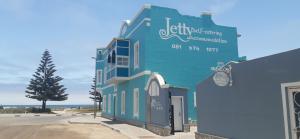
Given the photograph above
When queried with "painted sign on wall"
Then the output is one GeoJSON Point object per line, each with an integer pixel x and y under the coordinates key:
{"type": "Point", "coordinates": [185, 33]}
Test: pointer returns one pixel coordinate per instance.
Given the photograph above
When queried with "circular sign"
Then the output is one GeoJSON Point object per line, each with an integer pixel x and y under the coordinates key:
{"type": "Point", "coordinates": [221, 78]}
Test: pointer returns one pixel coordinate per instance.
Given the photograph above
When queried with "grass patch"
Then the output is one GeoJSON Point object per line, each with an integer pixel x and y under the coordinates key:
{"type": "Point", "coordinates": [25, 110]}
{"type": "Point", "coordinates": [12, 110]}
{"type": "Point", "coordinates": [81, 110]}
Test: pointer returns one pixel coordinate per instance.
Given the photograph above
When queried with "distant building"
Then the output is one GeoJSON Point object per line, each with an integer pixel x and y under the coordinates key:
{"type": "Point", "coordinates": [256, 99]}
{"type": "Point", "coordinates": [156, 61]}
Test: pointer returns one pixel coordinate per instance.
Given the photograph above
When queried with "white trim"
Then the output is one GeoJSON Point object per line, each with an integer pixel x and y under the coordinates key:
{"type": "Point", "coordinates": [105, 73]}
{"type": "Point", "coordinates": [110, 85]}
{"type": "Point", "coordinates": [136, 100]}
{"type": "Point", "coordinates": [109, 103]}
{"type": "Point", "coordinates": [122, 61]}
{"type": "Point", "coordinates": [100, 60]}
{"type": "Point", "coordinates": [123, 101]}
{"type": "Point", "coordinates": [153, 89]}
{"type": "Point", "coordinates": [122, 56]}
{"type": "Point", "coordinates": [284, 86]}
{"type": "Point", "coordinates": [165, 86]}
{"type": "Point", "coordinates": [145, 72]}
{"type": "Point", "coordinates": [104, 103]}
{"type": "Point", "coordinates": [195, 99]}
{"type": "Point", "coordinates": [136, 55]}
{"type": "Point", "coordinates": [146, 6]}
{"type": "Point", "coordinates": [122, 66]}
{"type": "Point", "coordinates": [137, 26]}
{"type": "Point", "coordinates": [99, 79]}
{"type": "Point", "coordinates": [160, 79]}
{"type": "Point", "coordinates": [115, 102]}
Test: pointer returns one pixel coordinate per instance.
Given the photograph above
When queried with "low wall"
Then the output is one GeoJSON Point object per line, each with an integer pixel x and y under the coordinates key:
{"type": "Point", "coordinates": [159, 130]}
{"type": "Point", "coordinates": [207, 136]}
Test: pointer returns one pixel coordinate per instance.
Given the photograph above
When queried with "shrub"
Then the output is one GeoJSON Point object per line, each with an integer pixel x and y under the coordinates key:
{"type": "Point", "coordinates": [1, 107]}
{"type": "Point", "coordinates": [38, 110]}
{"type": "Point", "coordinates": [12, 110]}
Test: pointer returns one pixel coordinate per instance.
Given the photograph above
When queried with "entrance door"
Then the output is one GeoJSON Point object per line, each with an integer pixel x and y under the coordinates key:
{"type": "Point", "coordinates": [294, 109]}
{"type": "Point", "coordinates": [115, 105]}
{"type": "Point", "coordinates": [177, 102]}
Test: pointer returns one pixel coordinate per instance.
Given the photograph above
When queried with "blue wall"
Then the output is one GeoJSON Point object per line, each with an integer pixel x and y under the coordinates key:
{"type": "Point", "coordinates": [183, 54]}
{"type": "Point", "coordinates": [182, 66]}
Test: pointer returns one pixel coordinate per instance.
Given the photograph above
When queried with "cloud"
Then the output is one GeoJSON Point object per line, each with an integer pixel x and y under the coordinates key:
{"type": "Point", "coordinates": [221, 6]}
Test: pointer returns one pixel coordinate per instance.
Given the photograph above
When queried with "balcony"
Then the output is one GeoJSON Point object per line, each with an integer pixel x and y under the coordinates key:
{"type": "Point", "coordinates": [117, 66]}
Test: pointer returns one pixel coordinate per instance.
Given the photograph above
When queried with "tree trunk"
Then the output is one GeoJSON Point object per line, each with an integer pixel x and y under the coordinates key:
{"type": "Point", "coordinates": [44, 106]}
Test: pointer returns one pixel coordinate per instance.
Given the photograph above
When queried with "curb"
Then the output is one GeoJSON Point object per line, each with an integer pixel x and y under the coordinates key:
{"type": "Point", "coordinates": [83, 123]}
{"type": "Point", "coordinates": [105, 125]}
{"type": "Point", "coordinates": [117, 130]}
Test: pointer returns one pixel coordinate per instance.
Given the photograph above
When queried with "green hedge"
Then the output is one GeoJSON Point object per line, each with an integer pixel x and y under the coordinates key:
{"type": "Point", "coordinates": [12, 110]}
{"type": "Point", "coordinates": [38, 110]}
{"type": "Point", "coordinates": [23, 110]}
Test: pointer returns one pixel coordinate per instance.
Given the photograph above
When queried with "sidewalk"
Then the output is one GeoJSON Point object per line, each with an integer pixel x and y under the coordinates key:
{"type": "Point", "coordinates": [129, 130]}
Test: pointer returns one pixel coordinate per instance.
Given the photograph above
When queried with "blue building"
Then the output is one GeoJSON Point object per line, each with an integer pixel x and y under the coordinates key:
{"type": "Point", "coordinates": [156, 61]}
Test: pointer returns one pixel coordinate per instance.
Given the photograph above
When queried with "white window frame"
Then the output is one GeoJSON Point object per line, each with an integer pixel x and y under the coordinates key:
{"type": "Point", "coordinates": [109, 103]}
{"type": "Point", "coordinates": [123, 102]}
{"type": "Point", "coordinates": [104, 103]}
{"type": "Point", "coordinates": [195, 99]}
{"type": "Point", "coordinates": [136, 55]}
{"type": "Point", "coordinates": [136, 102]}
{"type": "Point", "coordinates": [121, 61]}
{"type": "Point", "coordinates": [154, 89]}
{"type": "Point", "coordinates": [99, 77]}
{"type": "Point", "coordinates": [105, 70]}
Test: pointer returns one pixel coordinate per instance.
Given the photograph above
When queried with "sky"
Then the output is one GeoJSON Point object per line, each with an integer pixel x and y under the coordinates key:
{"type": "Point", "coordinates": [72, 30]}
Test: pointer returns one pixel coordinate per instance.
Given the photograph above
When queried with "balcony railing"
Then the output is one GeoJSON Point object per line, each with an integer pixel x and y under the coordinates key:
{"type": "Point", "coordinates": [118, 61]}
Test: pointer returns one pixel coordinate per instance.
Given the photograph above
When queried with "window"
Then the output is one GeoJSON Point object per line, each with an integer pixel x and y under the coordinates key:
{"type": "Point", "coordinates": [195, 100]}
{"type": "Point", "coordinates": [122, 61]}
{"type": "Point", "coordinates": [113, 57]}
{"type": "Point", "coordinates": [104, 103]}
{"type": "Point", "coordinates": [105, 70]}
{"type": "Point", "coordinates": [136, 55]}
{"type": "Point", "coordinates": [154, 89]}
{"type": "Point", "coordinates": [99, 77]}
{"type": "Point", "coordinates": [99, 55]}
{"type": "Point", "coordinates": [123, 103]}
{"type": "Point", "coordinates": [99, 52]}
{"type": "Point", "coordinates": [109, 103]}
{"type": "Point", "coordinates": [109, 59]}
{"type": "Point", "coordinates": [136, 102]}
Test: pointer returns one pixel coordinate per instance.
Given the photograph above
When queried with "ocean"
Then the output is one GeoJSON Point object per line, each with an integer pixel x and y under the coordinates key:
{"type": "Point", "coordinates": [48, 106]}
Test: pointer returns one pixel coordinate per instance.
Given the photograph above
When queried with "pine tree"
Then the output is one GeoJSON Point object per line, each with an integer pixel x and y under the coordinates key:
{"type": "Point", "coordinates": [93, 92]}
{"type": "Point", "coordinates": [44, 86]}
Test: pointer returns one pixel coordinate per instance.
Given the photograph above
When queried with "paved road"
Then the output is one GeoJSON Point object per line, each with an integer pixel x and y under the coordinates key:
{"type": "Point", "coordinates": [51, 127]}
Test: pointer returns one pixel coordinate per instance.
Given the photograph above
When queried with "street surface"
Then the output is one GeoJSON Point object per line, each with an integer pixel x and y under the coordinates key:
{"type": "Point", "coordinates": [49, 126]}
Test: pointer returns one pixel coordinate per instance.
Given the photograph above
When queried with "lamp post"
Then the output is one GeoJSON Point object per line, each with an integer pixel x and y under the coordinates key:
{"type": "Point", "coordinates": [95, 103]}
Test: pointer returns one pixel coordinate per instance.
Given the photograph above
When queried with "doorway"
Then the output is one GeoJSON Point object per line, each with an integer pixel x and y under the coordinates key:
{"type": "Point", "coordinates": [291, 109]}
{"type": "Point", "coordinates": [294, 111]}
{"type": "Point", "coordinates": [114, 106]}
{"type": "Point", "coordinates": [177, 102]}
